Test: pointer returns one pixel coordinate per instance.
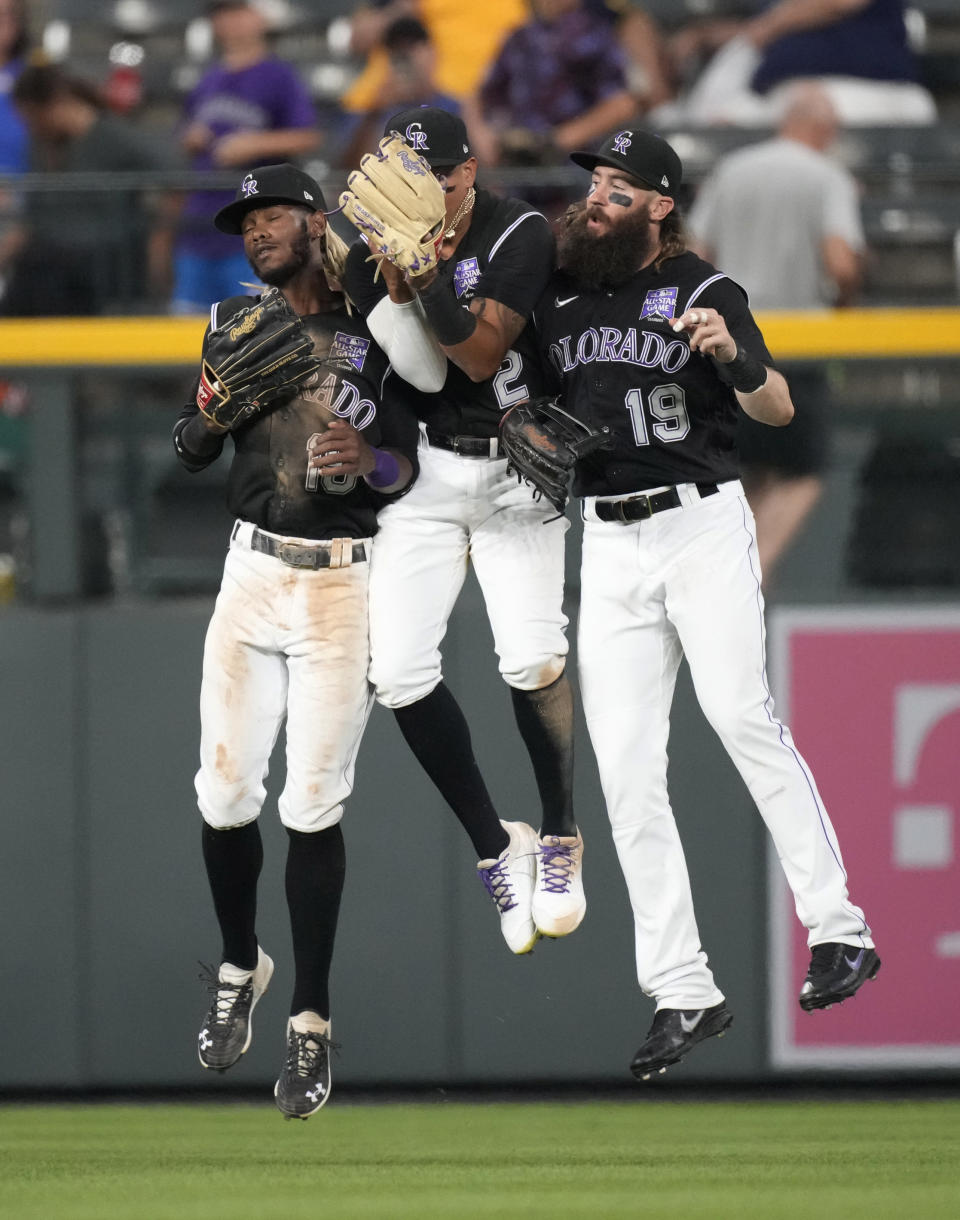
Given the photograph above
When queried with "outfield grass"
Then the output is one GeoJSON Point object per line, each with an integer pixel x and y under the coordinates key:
{"type": "Point", "coordinates": [653, 1158]}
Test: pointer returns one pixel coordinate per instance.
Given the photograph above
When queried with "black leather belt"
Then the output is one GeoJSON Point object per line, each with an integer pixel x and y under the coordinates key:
{"type": "Point", "coordinates": [466, 446]}
{"type": "Point", "coordinates": [638, 508]}
{"type": "Point", "coordinates": [337, 553]}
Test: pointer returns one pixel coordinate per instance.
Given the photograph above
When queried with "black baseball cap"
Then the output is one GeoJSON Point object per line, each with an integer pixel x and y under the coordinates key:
{"type": "Point", "coordinates": [642, 155]}
{"type": "Point", "coordinates": [439, 136]}
{"type": "Point", "coordinates": [266, 185]}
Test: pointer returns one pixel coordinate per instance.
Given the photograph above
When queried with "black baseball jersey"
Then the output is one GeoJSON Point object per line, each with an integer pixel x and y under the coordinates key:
{"type": "Point", "coordinates": [506, 255]}
{"type": "Point", "coordinates": [269, 482]}
{"type": "Point", "coordinates": [618, 365]}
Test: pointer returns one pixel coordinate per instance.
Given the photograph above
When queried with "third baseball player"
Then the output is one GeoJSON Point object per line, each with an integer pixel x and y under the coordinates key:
{"type": "Point", "coordinates": [655, 346]}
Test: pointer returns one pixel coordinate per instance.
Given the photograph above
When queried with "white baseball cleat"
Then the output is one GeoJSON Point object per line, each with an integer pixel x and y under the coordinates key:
{"type": "Point", "coordinates": [509, 880]}
{"type": "Point", "coordinates": [559, 902]}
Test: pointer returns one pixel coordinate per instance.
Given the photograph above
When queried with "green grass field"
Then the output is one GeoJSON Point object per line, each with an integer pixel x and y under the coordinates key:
{"type": "Point", "coordinates": [652, 1157]}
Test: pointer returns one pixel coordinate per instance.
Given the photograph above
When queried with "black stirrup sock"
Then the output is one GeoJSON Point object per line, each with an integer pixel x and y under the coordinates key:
{"type": "Point", "coordinates": [316, 863]}
{"type": "Point", "coordinates": [233, 859]}
{"type": "Point", "coordinates": [437, 732]}
{"type": "Point", "coordinates": [545, 720]}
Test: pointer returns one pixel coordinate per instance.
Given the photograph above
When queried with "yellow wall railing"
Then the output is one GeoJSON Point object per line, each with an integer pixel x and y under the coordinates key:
{"type": "Point", "coordinates": [130, 342]}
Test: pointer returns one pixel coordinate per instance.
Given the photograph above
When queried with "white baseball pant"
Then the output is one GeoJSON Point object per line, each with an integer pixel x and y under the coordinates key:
{"type": "Point", "coordinates": [460, 510]}
{"type": "Point", "coordinates": [283, 643]}
{"type": "Point", "coordinates": [686, 582]}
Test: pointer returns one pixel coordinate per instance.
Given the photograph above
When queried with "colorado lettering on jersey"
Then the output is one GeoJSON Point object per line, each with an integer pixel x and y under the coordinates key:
{"type": "Point", "coordinates": [647, 350]}
{"type": "Point", "coordinates": [342, 398]}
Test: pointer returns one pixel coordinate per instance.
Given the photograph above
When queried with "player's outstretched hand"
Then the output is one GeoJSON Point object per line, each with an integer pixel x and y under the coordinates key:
{"type": "Point", "coordinates": [708, 333]}
{"type": "Point", "coordinates": [340, 450]}
{"type": "Point", "coordinates": [398, 205]}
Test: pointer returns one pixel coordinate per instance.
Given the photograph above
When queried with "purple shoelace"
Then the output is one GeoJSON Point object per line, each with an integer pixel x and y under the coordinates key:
{"type": "Point", "coordinates": [496, 880]}
{"type": "Point", "coordinates": [556, 866]}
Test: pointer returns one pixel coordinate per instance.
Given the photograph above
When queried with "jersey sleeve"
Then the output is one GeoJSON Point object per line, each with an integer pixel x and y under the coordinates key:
{"type": "Point", "coordinates": [730, 301]}
{"type": "Point", "coordinates": [358, 281]}
{"type": "Point", "coordinates": [195, 447]}
{"type": "Point", "coordinates": [399, 427]}
{"type": "Point", "coordinates": [519, 263]}
{"type": "Point", "coordinates": [551, 381]}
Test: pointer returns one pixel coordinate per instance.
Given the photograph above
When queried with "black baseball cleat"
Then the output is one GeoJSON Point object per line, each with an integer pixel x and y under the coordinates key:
{"type": "Point", "coordinates": [836, 973]}
{"type": "Point", "coordinates": [304, 1083]}
{"type": "Point", "coordinates": [227, 1028]}
{"type": "Point", "coordinates": [674, 1033]}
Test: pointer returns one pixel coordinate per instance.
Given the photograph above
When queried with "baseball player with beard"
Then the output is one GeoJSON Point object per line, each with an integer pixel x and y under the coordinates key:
{"type": "Point", "coordinates": [459, 335]}
{"type": "Point", "coordinates": [658, 349]}
{"type": "Point", "coordinates": [288, 639]}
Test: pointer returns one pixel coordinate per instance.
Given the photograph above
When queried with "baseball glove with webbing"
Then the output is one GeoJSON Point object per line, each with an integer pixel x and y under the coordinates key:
{"type": "Point", "coordinates": [543, 443]}
{"type": "Point", "coordinates": [257, 357]}
{"type": "Point", "coordinates": [398, 205]}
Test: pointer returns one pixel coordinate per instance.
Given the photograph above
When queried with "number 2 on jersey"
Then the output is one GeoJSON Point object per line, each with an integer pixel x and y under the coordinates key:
{"type": "Point", "coordinates": [667, 407]}
{"type": "Point", "coordinates": [510, 370]}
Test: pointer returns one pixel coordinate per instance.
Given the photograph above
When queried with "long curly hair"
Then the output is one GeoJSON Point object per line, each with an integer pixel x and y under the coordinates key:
{"type": "Point", "coordinates": [673, 238]}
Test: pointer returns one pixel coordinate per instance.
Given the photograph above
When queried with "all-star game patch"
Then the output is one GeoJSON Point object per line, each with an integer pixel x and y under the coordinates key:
{"type": "Point", "coordinates": [351, 348]}
{"type": "Point", "coordinates": [660, 303]}
{"type": "Point", "coordinates": [465, 275]}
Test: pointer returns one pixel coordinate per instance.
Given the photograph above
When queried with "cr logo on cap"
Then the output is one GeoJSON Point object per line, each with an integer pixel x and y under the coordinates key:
{"type": "Point", "coordinates": [249, 185]}
{"type": "Point", "coordinates": [416, 137]}
{"type": "Point", "coordinates": [621, 142]}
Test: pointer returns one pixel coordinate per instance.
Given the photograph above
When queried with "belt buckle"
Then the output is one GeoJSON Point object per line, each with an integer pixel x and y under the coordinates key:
{"type": "Point", "coordinates": [296, 556]}
{"type": "Point", "coordinates": [647, 510]}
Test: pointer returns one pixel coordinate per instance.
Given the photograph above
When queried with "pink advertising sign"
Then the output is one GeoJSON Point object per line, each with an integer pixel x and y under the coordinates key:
{"type": "Point", "coordinates": [872, 697]}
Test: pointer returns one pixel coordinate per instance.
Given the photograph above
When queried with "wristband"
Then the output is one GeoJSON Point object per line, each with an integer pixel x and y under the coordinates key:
{"type": "Point", "coordinates": [386, 469]}
{"type": "Point", "coordinates": [748, 375]}
{"type": "Point", "coordinates": [450, 322]}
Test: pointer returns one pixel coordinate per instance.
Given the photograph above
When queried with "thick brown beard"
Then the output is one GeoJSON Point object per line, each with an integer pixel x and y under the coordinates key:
{"type": "Point", "coordinates": [605, 260]}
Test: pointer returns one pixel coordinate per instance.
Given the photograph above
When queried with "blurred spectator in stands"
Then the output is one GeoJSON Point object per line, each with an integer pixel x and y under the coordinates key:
{"type": "Point", "coordinates": [649, 69]}
{"type": "Point", "coordinates": [249, 108]}
{"type": "Point", "coordinates": [14, 42]}
{"type": "Point", "coordinates": [13, 135]}
{"type": "Point", "coordinates": [857, 49]}
{"type": "Point", "coordinates": [798, 245]}
{"type": "Point", "coordinates": [466, 38]}
{"type": "Point", "coordinates": [559, 83]}
{"type": "Point", "coordinates": [79, 250]}
{"type": "Point", "coordinates": [409, 82]}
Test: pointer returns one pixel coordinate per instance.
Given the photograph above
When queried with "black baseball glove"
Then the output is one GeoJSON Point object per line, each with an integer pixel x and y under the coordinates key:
{"type": "Point", "coordinates": [256, 358]}
{"type": "Point", "coordinates": [543, 443]}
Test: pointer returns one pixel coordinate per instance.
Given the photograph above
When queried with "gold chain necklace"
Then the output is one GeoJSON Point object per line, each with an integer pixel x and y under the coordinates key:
{"type": "Point", "coordinates": [462, 210]}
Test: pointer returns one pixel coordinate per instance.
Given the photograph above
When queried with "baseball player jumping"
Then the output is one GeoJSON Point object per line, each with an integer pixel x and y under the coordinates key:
{"type": "Point", "coordinates": [456, 329]}
{"type": "Point", "coordinates": [296, 381]}
{"type": "Point", "coordinates": [657, 349]}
